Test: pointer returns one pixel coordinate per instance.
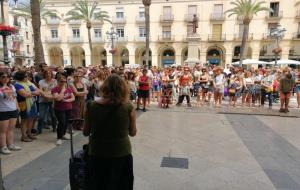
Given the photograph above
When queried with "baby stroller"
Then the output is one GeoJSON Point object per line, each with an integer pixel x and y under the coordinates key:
{"type": "Point", "coordinates": [166, 95]}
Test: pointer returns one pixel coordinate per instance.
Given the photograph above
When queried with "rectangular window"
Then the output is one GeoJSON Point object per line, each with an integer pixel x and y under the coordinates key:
{"type": "Point", "coordinates": [54, 33]}
{"type": "Point", "coordinates": [142, 12]}
{"type": "Point", "coordinates": [119, 12]}
{"type": "Point", "coordinates": [275, 7]}
{"type": "Point", "coordinates": [120, 32]}
{"type": "Point", "coordinates": [166, 32]}
{"type": "Point", "coordinates": [167, 12]}
{"type": "Point", "coordinates": [192, 9]}
{"type": "Point", "coordinates": [142, 31]}
{"type": "Point", "coordinates": [76, 32]}
{"type": "Point", "coordinates": [216, 31]}
{"type": "Point", "coordinates": [97, 33]}
{"type": "Point", "coordinates": [28, 49]}
{"type": "Point", "coordinates": [218, 11]}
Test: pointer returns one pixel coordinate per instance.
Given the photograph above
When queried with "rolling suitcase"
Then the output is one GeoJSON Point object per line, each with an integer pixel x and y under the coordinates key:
{"type": "Point", "coordinates": [77, 164]}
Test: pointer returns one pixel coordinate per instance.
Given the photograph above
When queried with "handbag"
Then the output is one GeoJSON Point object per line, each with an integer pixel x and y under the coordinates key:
{"type": "Point", "coordinates": [231, 90]}
{"type": "Point", "coordinates": [22, 106]}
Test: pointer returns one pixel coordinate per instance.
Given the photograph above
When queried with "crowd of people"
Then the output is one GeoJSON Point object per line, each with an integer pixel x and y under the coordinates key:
{"type": "Point", "coordinates": [38, 97]}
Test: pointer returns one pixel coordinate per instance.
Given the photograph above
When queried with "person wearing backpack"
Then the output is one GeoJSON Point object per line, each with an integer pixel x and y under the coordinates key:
{"type": "Point", "coordinates": [286, 85]}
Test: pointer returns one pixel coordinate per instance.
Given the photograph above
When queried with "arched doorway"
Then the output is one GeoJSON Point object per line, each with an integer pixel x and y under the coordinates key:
{"type": "Point", "coordinates": [77, 57]}
{"type": "Point", "coordinates": [184, 55]}
{"type": "Point", "coordinates": [121, 56]}
{"type": "Point", "coordinates": [167, 57]}
{"type": "Point", "coordinates": [215, 56]}
{"type": "Point", "coordinates": [99, 56]}
{"type": "Point", "coordinates": [56, 56]}
{"type": "Point", "coordinates": [140, 56]}
{"type": "Point", "coordinates": [124, 57]}
{"type": "Point", "coordinates": [266, 52]}
{"type": "Point", "coordinates": [237, 53]}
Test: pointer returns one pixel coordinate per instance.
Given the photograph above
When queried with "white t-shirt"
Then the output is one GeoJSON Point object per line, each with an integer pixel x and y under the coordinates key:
{"type": "Point", "coordinates": [46, 87]}
{"type": "Point", "coordinates": [8, 99]}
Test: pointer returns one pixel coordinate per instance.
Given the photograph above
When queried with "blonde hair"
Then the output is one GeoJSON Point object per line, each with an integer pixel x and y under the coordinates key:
{"type": "Point", "coordinates": [115, 89]}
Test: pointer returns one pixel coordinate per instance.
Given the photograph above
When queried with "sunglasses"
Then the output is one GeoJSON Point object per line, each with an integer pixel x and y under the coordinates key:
{"type": "Point", "coordinates": [63, 81]}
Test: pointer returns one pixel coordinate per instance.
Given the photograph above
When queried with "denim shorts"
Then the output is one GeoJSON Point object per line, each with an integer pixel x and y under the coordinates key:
{"type": "Point", "coordinates": [31, 114]}
{"type": "Point", "coordinates": [297, 89]}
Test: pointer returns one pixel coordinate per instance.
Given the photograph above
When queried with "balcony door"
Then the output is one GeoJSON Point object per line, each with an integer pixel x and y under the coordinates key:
{"type": "Point", "coordinates": [167, 12]}
{"type": "Point", "coordinates": [192, 10]}
{"type": "Point", "coordinates": [218, 10]}
{"type": "Point", "coordinates": [217, 31]}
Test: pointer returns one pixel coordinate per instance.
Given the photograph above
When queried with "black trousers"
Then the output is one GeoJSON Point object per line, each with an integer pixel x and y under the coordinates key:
{"type": "Point", "coordinates": [62, 118]}
{"type": "Point", "coordinates": [181, 98]}
{"type": "Point", "coordinates": [110, 173]}
{"type": "Point", "coordinates": [263, 97]}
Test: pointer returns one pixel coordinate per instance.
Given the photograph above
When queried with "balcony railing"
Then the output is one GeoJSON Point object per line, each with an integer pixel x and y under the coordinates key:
{"type": "Point", "coordinates": [274, 15]}
{"type": "Point", "coordinates": [239, 37]}
{"type": "Point", "coordinates": [75, 39]}
{"type": "Point", "coordinates": [166, 38]}
{"type": "Point", "coordinates": [190, 17]}
{"type": "Point", "coordinates": [217, 17]}
{"type": "Point", "coordinates": [50, 39]}
{"type": "Point", "coordinates": [97, 22]}
{"type": "Point", "coordinates": [75, 22]}
{"type": "Point", "coordinates": [217, 38]}
{"type": "Point", "coordinates": [119, 20]}
{"type": "Point", "coordinates": [98, 40]}
{"type": "Point", "coordinates": [122, 39]}
{"type": "Point", "coordinates": [139, 19]}
{"type": "Point", "coordinates": [167, 18]}
{"type": "Point", "coordinates": [266, 36]}
{"type": "Point", "coordinates": [140, 39]}
{"type": "Point", "coordinates": [53, 22]}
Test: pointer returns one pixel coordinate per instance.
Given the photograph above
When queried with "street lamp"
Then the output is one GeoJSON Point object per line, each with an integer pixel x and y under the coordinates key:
{"type": "Point", "coordinates": [112, 35]}
{"type": "Point", "coordinates": [4, 37]}
{"type": "Point", "coordinates": [278, 34]}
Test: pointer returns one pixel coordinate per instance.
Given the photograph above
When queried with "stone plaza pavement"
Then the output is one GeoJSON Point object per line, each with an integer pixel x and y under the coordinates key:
{"type": "Point", "coordinates": [226, 149]}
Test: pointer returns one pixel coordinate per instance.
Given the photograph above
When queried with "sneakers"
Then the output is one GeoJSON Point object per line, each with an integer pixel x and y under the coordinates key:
{"type": "Point", "coordinates": [14, 147]}
{"type": "Point", "coordinates": [66, 137]}
{"type": "Point", "coordinates": [5, 150]}
{"type": "Point", "coordinates": [58, 142]}
{"type": "Point", "coordinates": [144, 110]}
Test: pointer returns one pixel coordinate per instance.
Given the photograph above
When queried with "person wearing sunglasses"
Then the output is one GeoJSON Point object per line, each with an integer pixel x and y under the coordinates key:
{"type": "Point", "coordinates": [8, 115]}
{"type": "Point", "coordinates": [63, 97]}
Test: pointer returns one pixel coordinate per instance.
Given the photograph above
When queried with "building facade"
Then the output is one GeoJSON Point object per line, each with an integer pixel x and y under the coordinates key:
{"type": "Point", "coordinates": [66, 43]}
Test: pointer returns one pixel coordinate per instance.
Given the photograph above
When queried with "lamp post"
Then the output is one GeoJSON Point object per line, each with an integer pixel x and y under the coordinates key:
{"type": "Point", "coordinates": [4, 37]}
{"type": "Point", "coordinates": [112, 35]}
{"type": "Point", "coordinates": [278, 34]}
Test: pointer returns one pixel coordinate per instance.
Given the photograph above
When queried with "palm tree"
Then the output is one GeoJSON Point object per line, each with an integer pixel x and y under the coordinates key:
{"type": "Point", "coordinates": [147, 4]}
{"type": "Point", "coordinates": [246, 9]}
{"type": "Point", "coordinates": [87, 12]}
{"type": "Point", "coordinates": [36, 11]}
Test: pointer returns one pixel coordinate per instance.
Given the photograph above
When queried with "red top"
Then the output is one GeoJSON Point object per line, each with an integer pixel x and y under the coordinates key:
{"type": "Point", "coordinates": [144, 86]}
{"type": "Point", "coordinates": [185, 80]}
{"type": "Point", "coordinates": [60, 105]}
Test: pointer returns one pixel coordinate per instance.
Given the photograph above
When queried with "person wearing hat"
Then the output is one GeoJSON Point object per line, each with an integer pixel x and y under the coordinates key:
{"type": "Point", "coordinates": [185, 82]}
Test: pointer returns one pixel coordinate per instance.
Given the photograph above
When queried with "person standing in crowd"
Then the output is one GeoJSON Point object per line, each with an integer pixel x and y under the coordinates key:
{"type": "Point", "coordinates": [156, 85]}
{"type": "Point", "coordinates": [257, 87]}
{"type": "Point", "coordinates": [26, 96]}
{"type": "Point", "coordinates": [143, 91]}
{"type": "Point", "coordinates": [132, 86]}
{"type": "Point", "coordinates": [8, 115]}
{"type": "Point", "coordinates": [297, 87]}
{"type": "Point", "coordinates": [46, 101]}
{"type": "Point", "coordinates": [63, 97]}
{"type": "Point", "coordinates": [286, 86]}
{"type": "Point", "coordinates": [267, 88]}
{"type": "Point", "coordinates": [234, 86]}
{"type": "Point", "coordinates": [219, 80]}
{"type": "Point", "coordinates": [203, 81]}
{"type": "Point", "coordinates": [248, 85]}
{"type": "Point", "coordinates": [185, 83]}
{"type": "Point", "coordinates": [110, 154]}
{"type": "Point", "coordinates": [79, 89]}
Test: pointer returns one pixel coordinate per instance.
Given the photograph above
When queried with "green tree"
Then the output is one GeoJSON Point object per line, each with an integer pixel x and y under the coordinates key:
{"type": "Point", "coordinates": [245, 10]}
{"type": "Point", "coordinates": [35, 10]}
{"type": "Point", "coordinates": [87, 12]}
{"type": "Point", "coordinates": [147, 4]}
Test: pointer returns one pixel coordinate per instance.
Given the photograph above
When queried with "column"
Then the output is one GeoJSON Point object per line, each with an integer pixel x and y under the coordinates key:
{"type": "Point", "coordinates": [228, 59]}
{"type": "Point", "coordinates": [109, 58]}
{"type": "Point", "coordinates": [203, 57]}
{"type": "Point", "coordinates": [132, 59]}
{"type": "Point", "coordinates": [178, 59]}
{"type": "Point", "coordinates": [155, 60]}
{"type": "Point", "coordinates": [67, 59]}
{"type": "Point", "coordinates": [285, 50]}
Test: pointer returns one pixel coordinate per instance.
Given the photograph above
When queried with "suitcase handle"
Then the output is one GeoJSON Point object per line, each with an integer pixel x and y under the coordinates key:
{"type": "Point", "coordinates": [71, 122]}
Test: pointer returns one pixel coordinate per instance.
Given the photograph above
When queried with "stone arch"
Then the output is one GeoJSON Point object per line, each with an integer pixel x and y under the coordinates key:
{"type": "Point", "coordinates": [77, 55]}
{"type": "Point", "coordinates": [236, 53]}
{"type": "Point", "coordinates": [56, 56]}
{"type": "Point", "coordinates": [215, 55]}
{"type": "Point", "coordinates": [140, 56]}
{"type": "Point", "coordinates": [99, 56]}
{"type": "Point", "coordinates": [184, 54]}
{"type": "Point", "coordinates": [121, 56]}
{"type": "Point", "coordinates": [166, 56]}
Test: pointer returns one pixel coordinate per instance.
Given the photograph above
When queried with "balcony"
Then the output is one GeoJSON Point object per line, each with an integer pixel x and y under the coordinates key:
{"type": "Point", "coordinates": [97, 22]}
{"type": "Point", "coordinates": [239, 37]}
{"type": "Point", "coordinates": [190, 17]}
{"type": "Point", "coordinates": [274, 16]}
{"type": "Point", "coordinates": [217, 17]}
{"type": "Point", "coordinates": [75, 22]}
{"type": "Point", "coordinates": [216, 38]}
{"type": "Point", "coordinates": [53, 21]}
{"type": "Point", "coordinates": [296, 36]}
{"type": "Point", "coordinates": [53, 40]}
{"type": "Point", "coordinates": [75, 39]}
{"type": "Point", "coordinates": [166, 18]}
{"type": "Point", "coordinates": [123, 39]}
{"type": "Point", "coordinates": [139, 19]}
{"type": "Point", "coordinates": [98, 40]}
{"type": "Point", "coordinates": [118, 20]}
{"type": "Point", "coordinates": [166, 38]}
{"type": "Point", "coordinates": [139, 39]}
{"type": "Point", "coordinates": [266, 36]}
